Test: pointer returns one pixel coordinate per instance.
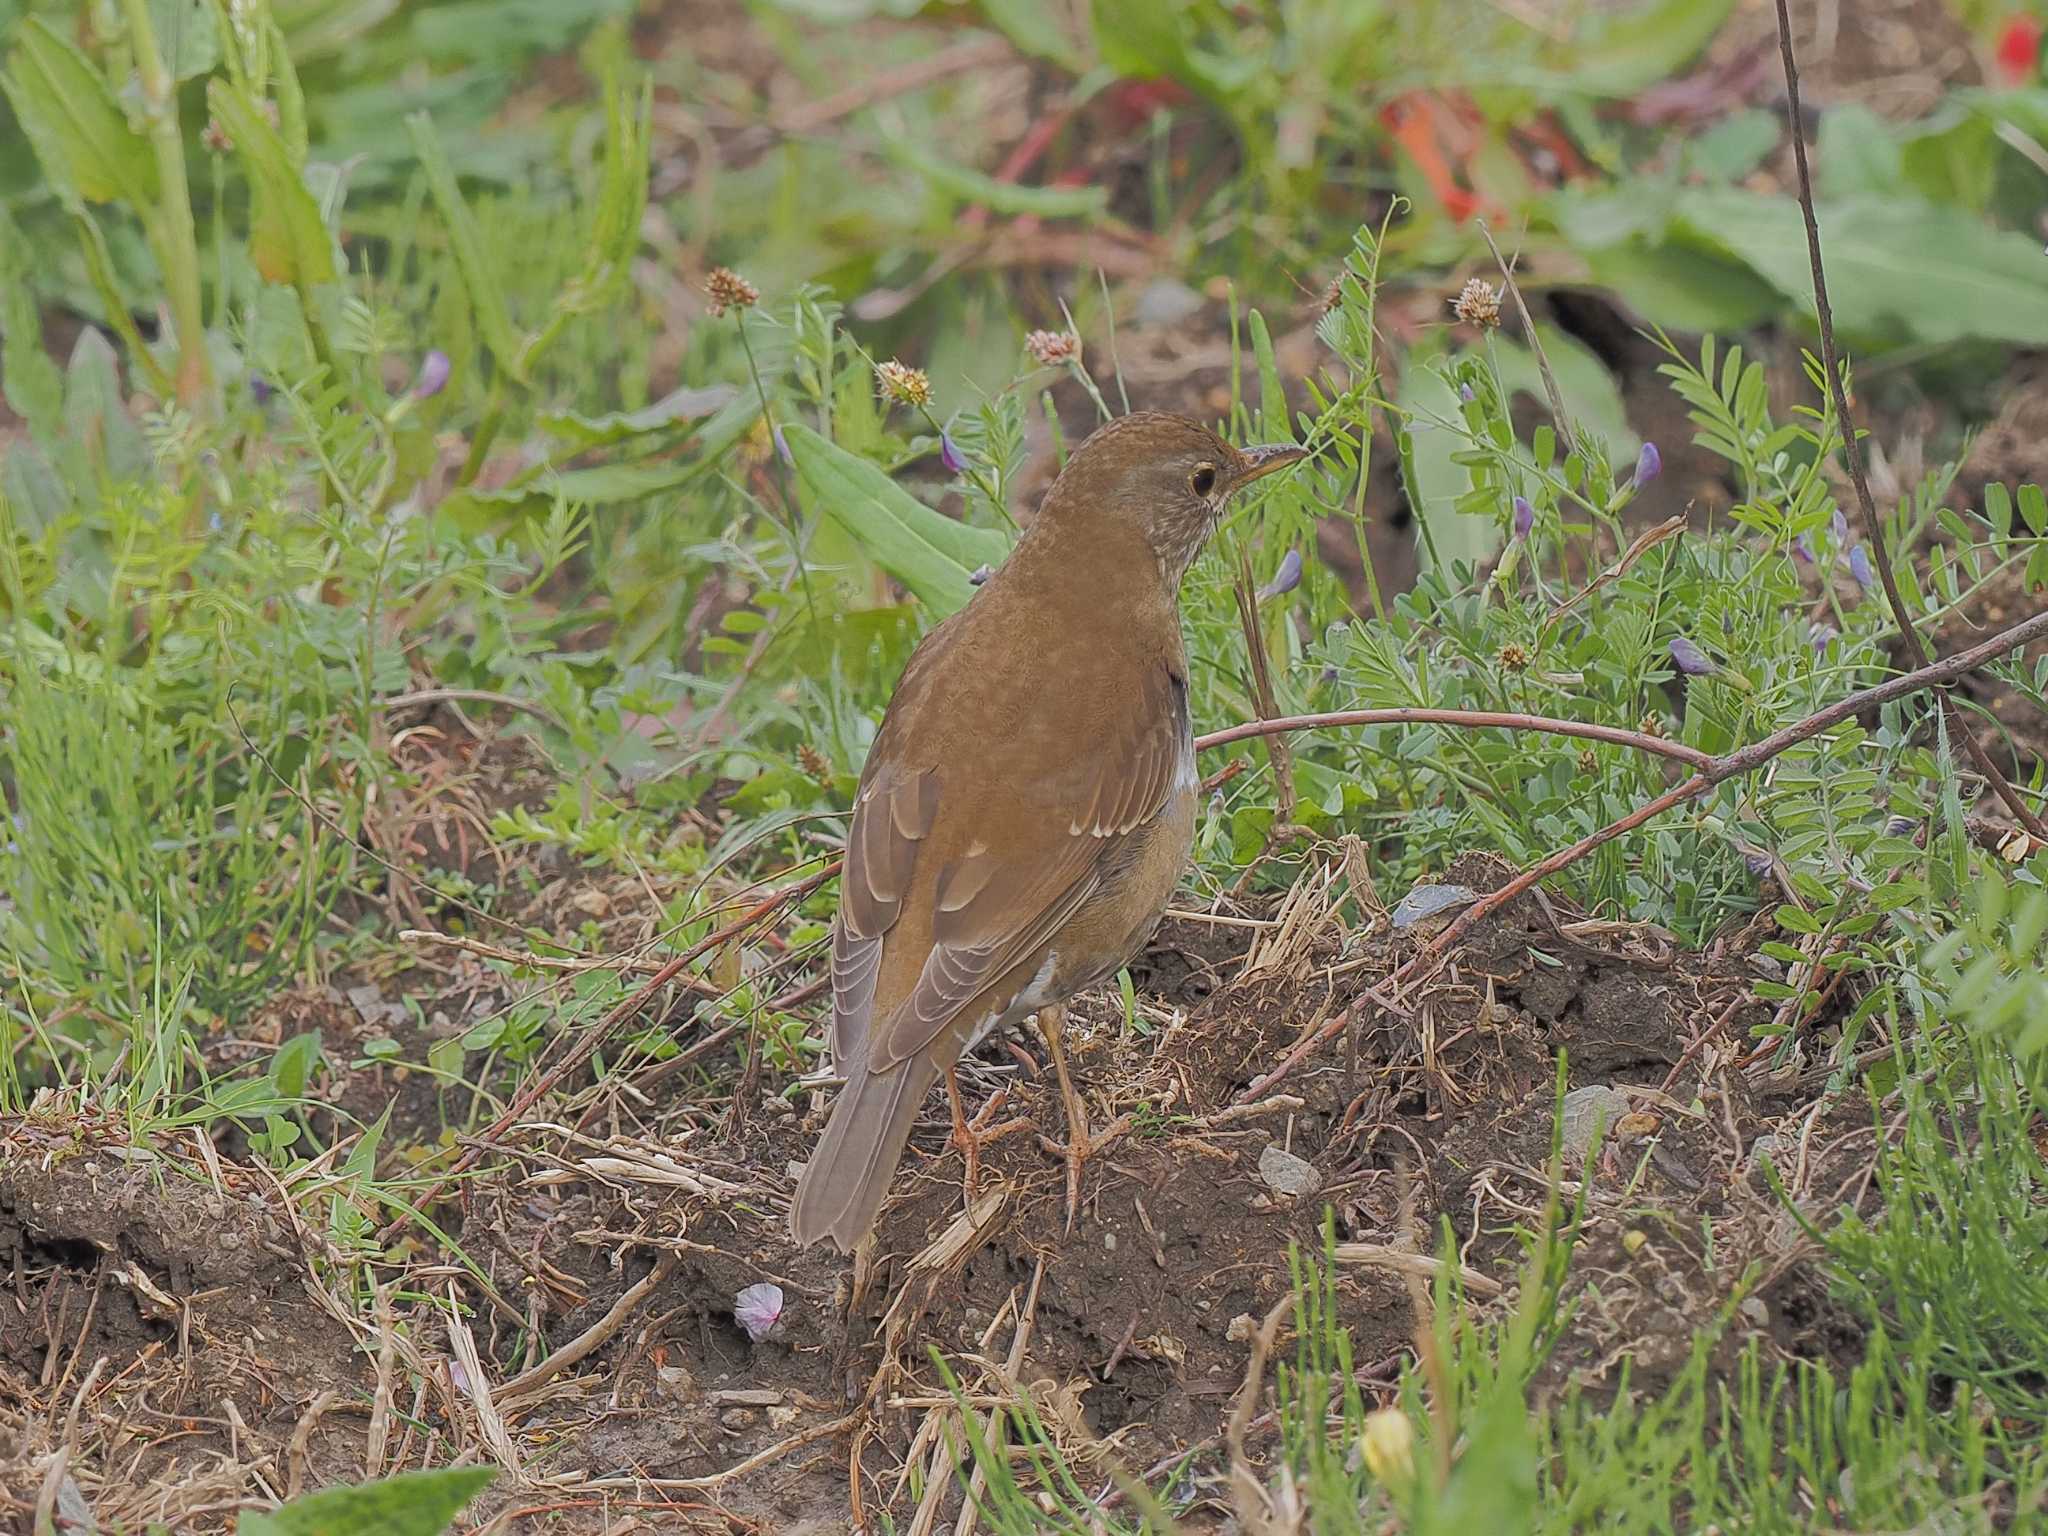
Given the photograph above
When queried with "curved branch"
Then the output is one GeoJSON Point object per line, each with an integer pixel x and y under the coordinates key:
{"type": "Point", "coordinates": [1466, 719]}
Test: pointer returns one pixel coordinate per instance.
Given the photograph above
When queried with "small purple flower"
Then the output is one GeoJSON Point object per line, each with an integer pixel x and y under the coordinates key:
{"type": "Point", "coordinates": [782, 447]}
{"type": "Point", "coordinates": [1286, 579]}
{"type": "Point", "coordinates": [1690, 659]}
{"type": "Point", "coordinates": [950, 454]}
{"type": "Point", "coordinates": [1838, 525]}
{"type": "Point", "coordinates": [434, 370]}
{"type": "Point", "coordinates": [1757, 863]}
{"type": "Point", "coordinates": [1859, 567]}
{"type": "Point", "coordinates": [260, 389]}
{"type": "Point", "coordinates": [758, 1309]}
{"type": "Point", "coordinates": [1802, 549]}
{"type": "Point", "coordinates": [1649, 464]}
{"type": "Point", "coordinates": [1819, 635]}
{"type": "Point", "coordinates": [1525, 517]}
{"type": "Point", "coordinates": [978, 575]}
{"type": "Point", "coordinates": [1465, 393]}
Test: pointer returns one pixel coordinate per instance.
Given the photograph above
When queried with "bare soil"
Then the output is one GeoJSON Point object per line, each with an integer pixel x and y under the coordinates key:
{"type": "Point", "coordinates": [185, 1325]}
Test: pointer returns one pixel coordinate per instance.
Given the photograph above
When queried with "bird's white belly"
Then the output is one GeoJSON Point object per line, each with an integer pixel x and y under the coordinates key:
{"type": "Point", "coordinates": [1035, 994]}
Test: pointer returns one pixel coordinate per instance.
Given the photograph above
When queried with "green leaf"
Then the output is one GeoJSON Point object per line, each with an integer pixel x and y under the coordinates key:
{"type": "Point", "coordinates": [1796, 920]}
{"type": "Point", "coordinates": [1590, 393]}
{"type": "Point", "coordinates": [1032, 26]}
{"type": "Point", "coordinates": [486, 299]}
{"type": "Point", "coordinates": [288, 240]}
{"type": "Point", "coordinates": [1998, 509]}
{"type": "Point", "coordinates": [1636, 46]}
{"type": "Point", "coordinates": [928, 552]}
{"type": "Point", "coordinates": [100, 438]}
{"type": "Point", "coordinates": [1857, 156]}
{"type": "Point", "coordinates": [971, 186]}
{"type": "Point", "coordinates": [29, 377]}
{"type": "Point", "coordinates": [1895, 266]}
{"type": "Point", "coordinates": [682, 405]}
{"type": "Point", "coordinates": [79, 133]}
{"type": "Point", "coordinates": [411, 1504]}
{"type": "Point", "coordinates": [1681, 288]}
{"type": "Point", "coordinates": [1430, 472]}
{"type": "Point", "coordinates": [2034, 508]}
{"type": "Point", "coordinates": [186, 36]}
{"type": "Point", "coordinates": [292, 1066]}
{"type": "Point", "coordinates": [1273, 423]}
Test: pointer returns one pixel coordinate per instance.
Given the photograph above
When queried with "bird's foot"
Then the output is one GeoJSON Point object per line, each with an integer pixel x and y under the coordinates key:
{"type": "Point", "coordinates": [970, 1136]}
{"type": "Point", "coordinates": [1081, 1143]}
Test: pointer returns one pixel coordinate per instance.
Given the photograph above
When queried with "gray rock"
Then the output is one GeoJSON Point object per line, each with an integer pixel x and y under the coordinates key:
{"type": "Point", "coordinates": [1166, 302]}
{"type": "Point", "coordinates": [1286, 1174]}
{"type": "Point", "coordinates": [1425, 902]}
{"type": "Point", "coordinates": [1596, 1105]}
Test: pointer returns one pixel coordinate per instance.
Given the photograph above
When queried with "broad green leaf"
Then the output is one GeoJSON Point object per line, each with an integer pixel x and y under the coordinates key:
{"type": "Point", "coordinates": [29, 378]}
{"type": "Point", "coordinates": [101, 440]}
{"type": "Point", "coordinates": [1433, 478]}
{"type": "Point", "coordinates": [2034, 508]}
{"type": "Point", "coordinates": [1857, 156]}
{"type": "Point", "coordinates": [77, 129]}
{"type": "Point", "coordinates": [971, 186]}
{"type": "Point", "coordinates": [1273, 423]}
{"type": "Point", "coordinates": [1681, 288]}
{"type": "Point", "coordinates": [288, 241]}
{"type": "Point", "coordinates": [186, 36]}
{"type": "Point", "coordinates": [1631, 47]}
{"type": "Point", "coordinates": [682, 405]}
{"type": "Point", "coordinates": [291, 1068]}
{"type": "Point", "coordinates": [1035, 29]}
{"type": "Point", "coordinates": [1146, 39]}
{"type": "Point", "coordinates": [486, 299]}
{"type": "Point", "coordinates": [1895, 266]}
{"type": "Point", "coordinates": [928, 552]}
{"type": "Point", "coordinates": [411, 1504]}
{"type": "Point", "coordinates": [1590, 393]}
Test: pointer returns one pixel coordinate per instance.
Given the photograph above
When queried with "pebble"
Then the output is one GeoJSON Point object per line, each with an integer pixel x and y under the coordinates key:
{"type": "Point", "coordinates": [1588, 1107]}
{"type": "Point", "coordinates": [1286, 1174]}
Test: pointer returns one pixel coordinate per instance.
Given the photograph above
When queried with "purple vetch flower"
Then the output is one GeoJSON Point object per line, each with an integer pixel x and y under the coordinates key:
{"type": "Point", "coordinates": [1859, 567]}
{"type": "Point", "coordinates": [260, 389]}
{"type": "Point", "coordinates": [758, 1309]}
{"type": "Point", "coordinates": [1649, 464]}
{"type": "Point", "coordinates": [1757, 863]}
{"type": "Point", "coordinates": [1525, 517]}
{"type": "Point", "coordinates": [950, 454]}
{"type": "Point", "coordinates": [1818, 635]}
{"type": "Point", "coordinates": [1690, 659]}
{"type": "Point", "coordinates": [1802, 549]}
{"type": "Point", "coordinates": [1838, 525]}
{"type": "Point", "coordinates": [978, 575]}
{"type": "Point", "coordinates": [434, 371]}
{"type": "Point", "coordinates": [1286, 579]}
{"type": "Point", "coordinates": [782, 447]}
{"type": "Point", "coordinates": [1465, 393]}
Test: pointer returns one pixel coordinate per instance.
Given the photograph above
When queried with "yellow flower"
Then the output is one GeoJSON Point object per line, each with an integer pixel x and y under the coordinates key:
{"type": "Point", "coordinates": [1389, 1445]}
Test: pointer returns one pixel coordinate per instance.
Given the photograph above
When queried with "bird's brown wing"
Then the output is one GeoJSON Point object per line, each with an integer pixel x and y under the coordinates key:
{"type": "Point", "coordinates": [1002, 899]}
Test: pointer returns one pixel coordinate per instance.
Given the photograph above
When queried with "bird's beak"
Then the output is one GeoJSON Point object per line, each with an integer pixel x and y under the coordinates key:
{"type": "Point", "coordinates": [1256, 462]}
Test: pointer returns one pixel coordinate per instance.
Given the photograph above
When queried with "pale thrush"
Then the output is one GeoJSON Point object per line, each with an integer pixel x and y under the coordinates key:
{"type": "Point", "coordinates": [1028, 805]}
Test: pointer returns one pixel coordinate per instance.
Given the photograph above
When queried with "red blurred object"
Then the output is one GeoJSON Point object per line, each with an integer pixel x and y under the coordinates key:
{"type": "Point", "coordinates": [1426, 125]}
{"type": "Point", "coordinates": [2019, 50]}
{"type": "Point", "coordinates": [1135, 101]}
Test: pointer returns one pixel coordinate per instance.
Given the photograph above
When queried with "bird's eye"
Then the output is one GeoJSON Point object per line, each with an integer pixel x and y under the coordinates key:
{"type": "Point", "coordinates": [1203, 480]}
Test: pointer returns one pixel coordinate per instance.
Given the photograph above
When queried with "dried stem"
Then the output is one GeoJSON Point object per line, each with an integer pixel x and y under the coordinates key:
{"type": "Point", "coordinates": [1463, 719]}
{"type": "Point", "coordinates": [1852, 451]}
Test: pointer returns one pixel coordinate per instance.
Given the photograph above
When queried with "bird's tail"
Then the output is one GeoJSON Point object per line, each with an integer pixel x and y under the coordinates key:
{"type": "Point", "coordinates": [842, 1187]}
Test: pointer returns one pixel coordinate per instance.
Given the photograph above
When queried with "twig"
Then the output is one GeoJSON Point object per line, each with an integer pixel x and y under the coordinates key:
{"type": "Point", "coordinates": [1421, 1266]}
{"type": "Point", "coordinates": [1507, 273]}
{"type": "Point", "coordinates": [1852, 451]}
{"type": "Point", "coordinates": [590, 1338]}
{"type": "Point", "coordinates": [1463, 719]}
{"type": "Point", "coordinates": [1278, 757]}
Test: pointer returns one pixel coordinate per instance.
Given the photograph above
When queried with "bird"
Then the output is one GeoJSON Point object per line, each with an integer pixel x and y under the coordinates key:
{"type": "Point", "coordinates": [1027, 807]}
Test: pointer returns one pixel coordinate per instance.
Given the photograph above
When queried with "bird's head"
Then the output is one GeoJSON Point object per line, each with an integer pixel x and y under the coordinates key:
{"type": "Point", "coordinates": [1165, 478]}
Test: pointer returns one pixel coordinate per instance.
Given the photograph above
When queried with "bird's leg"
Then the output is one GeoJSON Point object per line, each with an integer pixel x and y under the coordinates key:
{"type": "Point", "coordinates": [1052, 1024]}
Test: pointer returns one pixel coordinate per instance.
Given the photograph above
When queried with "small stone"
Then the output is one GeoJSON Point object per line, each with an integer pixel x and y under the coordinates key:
{"type": "Point", "coordinates": [745, 1397]}
{"type": "Point", "coordinates": [1166, 302]}
{"type": "Point", "coordinates": [736, 1419]}
{"type": "Point", "coordinates": [1587, 1108]}
{"type": "Point", "coordinates": [1429, 901]}
{"type": "Point", "coordinates": [1756, 1311]}
{"type": "Point", "coordinates": [1286, 1174]}
{"type": "Point", "coordinates": [1241, 1328]}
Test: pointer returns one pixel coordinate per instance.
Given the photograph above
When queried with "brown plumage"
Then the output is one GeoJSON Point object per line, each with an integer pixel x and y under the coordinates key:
{"type": "Point", "coordinates": [1028, 804]}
